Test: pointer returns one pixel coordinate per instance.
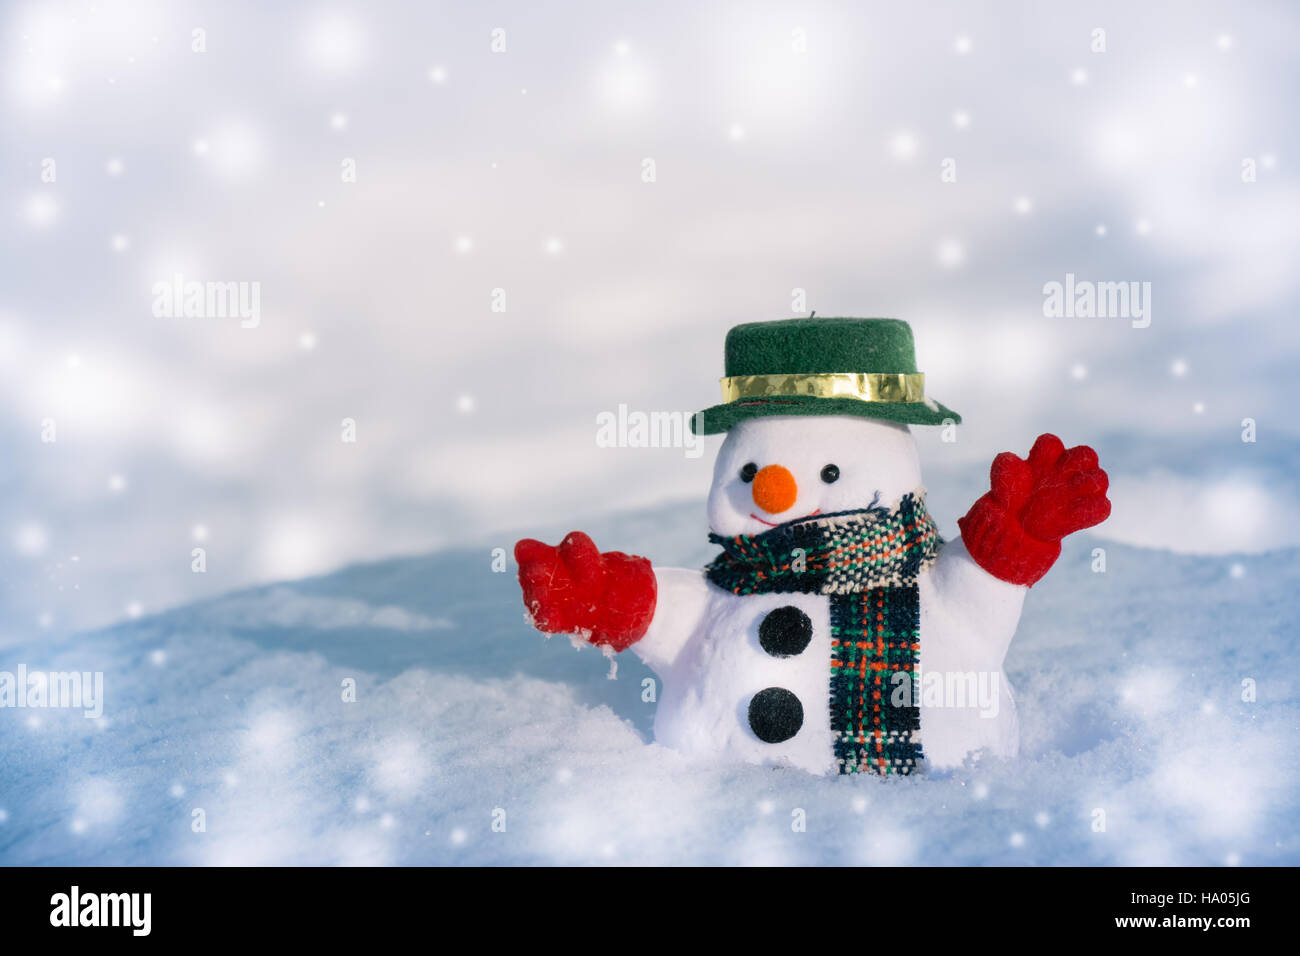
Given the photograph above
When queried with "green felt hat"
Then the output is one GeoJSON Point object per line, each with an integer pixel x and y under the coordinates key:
{"type": "Point", "coordinates": [815, 366]}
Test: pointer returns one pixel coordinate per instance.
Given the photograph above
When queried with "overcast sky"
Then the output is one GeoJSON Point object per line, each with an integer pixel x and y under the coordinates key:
{"type": "Point", "coordinates": [634, 179]}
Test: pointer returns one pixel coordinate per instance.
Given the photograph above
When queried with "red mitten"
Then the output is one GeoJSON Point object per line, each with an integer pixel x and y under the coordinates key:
{"type": "Point", "coordinates": [574, 589]}
{"type": "Point", "coordinates": [1014, 532]}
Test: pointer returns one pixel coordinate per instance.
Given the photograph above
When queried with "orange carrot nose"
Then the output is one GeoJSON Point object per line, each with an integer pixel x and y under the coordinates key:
{"type": "Point", "coordinates": [774, 489]}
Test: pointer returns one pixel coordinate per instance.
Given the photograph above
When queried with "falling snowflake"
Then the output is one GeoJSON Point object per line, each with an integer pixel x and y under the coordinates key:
{"type": "Point", "coordinates": [903, 145]}
{"type": "Point", "coordinates": [950, 253]}
{"type": "Point", "coordinates": [41, 211]}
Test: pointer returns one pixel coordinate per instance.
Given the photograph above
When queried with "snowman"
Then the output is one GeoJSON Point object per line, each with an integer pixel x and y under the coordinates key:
{"type": "Point", "coordinates": [835, 631]}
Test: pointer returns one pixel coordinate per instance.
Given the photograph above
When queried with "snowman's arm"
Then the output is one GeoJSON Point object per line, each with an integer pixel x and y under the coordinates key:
{"type": "Point", "coordinates": [611, 598]}
{"type": "Point", "coordinates": [1014, 531]}
{"type": "Point", "coordinates": [987, 609]}
{"type": "Point", "coordinates": [683, 597]}
{"type": "Point", "coordinates": [1012, 535]}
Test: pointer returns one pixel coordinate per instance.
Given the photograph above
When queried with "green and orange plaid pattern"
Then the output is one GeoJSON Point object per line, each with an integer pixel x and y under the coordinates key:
{"type": "Point", "coordinates": [842, 553]}
{"type": "Point", "coordinates": [867, 562]}
{"type": "Point", "coordinates": [875, 636]}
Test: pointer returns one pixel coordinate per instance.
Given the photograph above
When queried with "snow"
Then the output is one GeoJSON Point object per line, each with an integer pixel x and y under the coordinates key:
{"type": "Point", "coordinates": [473, 739]}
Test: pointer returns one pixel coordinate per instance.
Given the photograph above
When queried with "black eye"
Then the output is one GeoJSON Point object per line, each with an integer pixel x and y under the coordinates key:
{"type": "Point", "coordinates": [748, 472]}
{"type": "Point", "coordinates": [830, 473]}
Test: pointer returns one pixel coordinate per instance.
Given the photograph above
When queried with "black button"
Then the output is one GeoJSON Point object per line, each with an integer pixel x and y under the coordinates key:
{"type": "Point", "coordinates": [785, 632]}
{"type": "Point", "coordinates": [775, 715]}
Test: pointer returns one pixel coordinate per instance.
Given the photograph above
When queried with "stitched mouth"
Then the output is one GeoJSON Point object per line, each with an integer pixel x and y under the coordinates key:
{"type": "Point", "coordinates": [773, 524]}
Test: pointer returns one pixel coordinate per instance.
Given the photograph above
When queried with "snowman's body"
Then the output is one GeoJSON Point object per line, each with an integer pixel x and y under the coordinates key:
{"type": "Point", "coordinates": [704, 641]}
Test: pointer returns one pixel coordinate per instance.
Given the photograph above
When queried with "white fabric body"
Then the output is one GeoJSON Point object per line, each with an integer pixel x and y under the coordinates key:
{"type": "Point", "coordinates": [704, 641]}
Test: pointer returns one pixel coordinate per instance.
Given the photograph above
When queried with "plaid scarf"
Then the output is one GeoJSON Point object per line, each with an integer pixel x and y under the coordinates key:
{"type": "Point", "coordinates": [867, 562]}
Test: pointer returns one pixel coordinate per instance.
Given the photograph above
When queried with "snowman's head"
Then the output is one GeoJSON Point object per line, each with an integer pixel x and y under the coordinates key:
{"type": "Point", "coordinates": [775, 469]}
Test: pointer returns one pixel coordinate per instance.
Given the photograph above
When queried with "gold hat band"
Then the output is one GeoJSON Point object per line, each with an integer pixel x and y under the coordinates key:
{"type": "Point", "coordinates": [863, 386]}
